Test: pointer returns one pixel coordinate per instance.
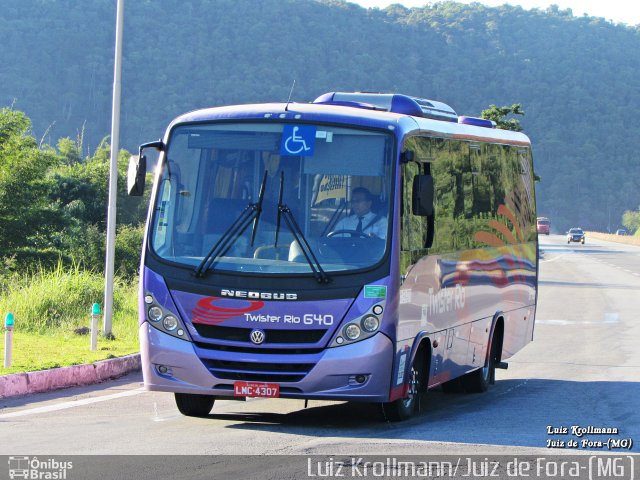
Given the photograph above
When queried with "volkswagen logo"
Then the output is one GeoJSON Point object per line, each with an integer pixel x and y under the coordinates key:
{"type": "Point", "coordinates": [257, 336]}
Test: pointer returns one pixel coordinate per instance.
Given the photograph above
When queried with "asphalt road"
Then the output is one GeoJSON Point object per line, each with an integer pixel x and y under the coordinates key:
{"type": "Point", "coordinates": [583, 369]}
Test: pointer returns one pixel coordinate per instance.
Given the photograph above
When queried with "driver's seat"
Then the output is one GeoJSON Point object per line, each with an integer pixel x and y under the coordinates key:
{"type": "Point", "coordinates": [295, 252]}
{"type": "Point", "coordinates": [271, 252]}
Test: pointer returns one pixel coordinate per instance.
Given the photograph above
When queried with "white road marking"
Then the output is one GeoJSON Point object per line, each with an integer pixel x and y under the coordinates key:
{"type": "Point", "coordinates": [609, 318]}
{"type": "Point", "coordinates": [71, 404]}
{"type": "Point", "coordinates": [545, 260]}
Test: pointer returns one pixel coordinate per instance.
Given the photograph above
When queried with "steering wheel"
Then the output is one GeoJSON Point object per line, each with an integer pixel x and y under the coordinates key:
{"type": "Point", "coordinates": [351, 232]}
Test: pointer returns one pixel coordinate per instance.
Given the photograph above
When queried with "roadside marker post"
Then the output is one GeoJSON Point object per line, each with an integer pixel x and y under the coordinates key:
{"type": "Point", "coordinates": [8, 339]}
{"type": "Point", "coordinates": [95, 316]}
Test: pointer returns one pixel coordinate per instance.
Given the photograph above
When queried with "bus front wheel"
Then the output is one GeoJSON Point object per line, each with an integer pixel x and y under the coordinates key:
{"type": "Point", "coordinates": [194, 405]}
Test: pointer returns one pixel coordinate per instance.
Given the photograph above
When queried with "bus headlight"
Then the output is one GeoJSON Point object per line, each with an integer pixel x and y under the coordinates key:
{"type": "Point", "coordinates": [170, 323]}
{"type": "Point", "coordinates": [155, 313]}
{"type": "Point", "coordinates": [164, 319]}
{"type": "Point", "coordinates": [370, 323]}
{"type": "Point", "coordinates": [352, 331]}
{"type": "Point", "coordinates": [366, 324]}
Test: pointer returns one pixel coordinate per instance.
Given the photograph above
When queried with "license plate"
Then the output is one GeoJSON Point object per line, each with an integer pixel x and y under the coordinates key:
{"type": "Point", "coordinates": [256, 389]}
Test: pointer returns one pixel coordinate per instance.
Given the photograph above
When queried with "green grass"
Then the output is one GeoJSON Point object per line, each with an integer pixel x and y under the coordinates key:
{"type": "Point", "coordinates": [33, 351]}
{"type": "Point", "coordinates": [61, 298]}
{"type": "Point", "coordinates": [49, 305]}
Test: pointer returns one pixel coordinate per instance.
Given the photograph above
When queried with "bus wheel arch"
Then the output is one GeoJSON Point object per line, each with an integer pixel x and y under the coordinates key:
{"type": "Point", "coordinates": [416, 383]}
{"type": "Point", "coordinates": [497, 337]}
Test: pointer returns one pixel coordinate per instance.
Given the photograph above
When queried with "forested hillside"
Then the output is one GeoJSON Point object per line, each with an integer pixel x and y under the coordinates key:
{"type": "Point", "coordinates": [578, 79]}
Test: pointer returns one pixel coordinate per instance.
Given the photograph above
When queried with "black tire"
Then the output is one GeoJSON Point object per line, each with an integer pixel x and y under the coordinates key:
{"type": "Point", "coordinates": [403, 408]}
{"type": "Point", "coordinates": [479, 380]}
{"type": "Point", "coordinates": [193, 405]}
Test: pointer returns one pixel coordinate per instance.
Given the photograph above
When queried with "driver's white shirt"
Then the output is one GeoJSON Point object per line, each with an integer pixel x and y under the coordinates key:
{"type": "Point", "coordinates": [378, 228]}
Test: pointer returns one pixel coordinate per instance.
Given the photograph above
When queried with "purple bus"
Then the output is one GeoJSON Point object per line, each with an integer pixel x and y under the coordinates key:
{"type": "Point", "coordinates": [361, 247]}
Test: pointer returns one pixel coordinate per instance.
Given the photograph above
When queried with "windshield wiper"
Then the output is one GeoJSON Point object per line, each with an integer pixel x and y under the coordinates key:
{"type": "Point", "coordinates": [298, 235]}
{"type": "Point", "coordinates": [275, 245]}
{"type": "Point", "coordinates": [250, 213]}
{"type": "Point", "coordinates": [334, 218]}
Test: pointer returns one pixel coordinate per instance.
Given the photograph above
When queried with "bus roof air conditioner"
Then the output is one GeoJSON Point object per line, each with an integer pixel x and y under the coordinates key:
{"type": "Point", "coordinates": [391, 102]}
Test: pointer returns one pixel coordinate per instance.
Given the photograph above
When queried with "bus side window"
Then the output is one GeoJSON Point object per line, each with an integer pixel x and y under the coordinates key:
{"type": "Point", "coordinates": [414, 228]}
{"type": "Point", "coordinates": [450, 163]}
{"type": "Point", "coordinates": [162, 214]}
{"type": "Point", "coordinates": [185, 182]}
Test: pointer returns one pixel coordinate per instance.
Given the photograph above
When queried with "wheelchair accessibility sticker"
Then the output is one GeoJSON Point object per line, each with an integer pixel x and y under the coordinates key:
{"type": "Point", "coordinates": [298, 140]}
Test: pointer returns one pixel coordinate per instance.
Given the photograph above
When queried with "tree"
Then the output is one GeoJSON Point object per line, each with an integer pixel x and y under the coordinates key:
{"type": "Point", "coordinates": [27, 218]}
{"type": "Point", "coordinates": [70, 151]}
{"type": "Point", "coordinates": [631, 220]}
{"type": "Point", "coordinates": [53, 202]}
{"type": "Point", "coordinates": [80, 188]}
{"type": "Point", "coordinates": [498, 114]}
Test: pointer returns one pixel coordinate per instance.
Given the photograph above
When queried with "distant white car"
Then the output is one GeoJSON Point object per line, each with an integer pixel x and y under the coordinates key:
{"type": "Point", "coordinates": [575, 235]}
{"type": "Point", "coordinates": [621, 231]}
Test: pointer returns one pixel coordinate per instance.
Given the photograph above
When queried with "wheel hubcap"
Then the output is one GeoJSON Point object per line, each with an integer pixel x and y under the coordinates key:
{"type": "Point", "coordinates": [413, 388]}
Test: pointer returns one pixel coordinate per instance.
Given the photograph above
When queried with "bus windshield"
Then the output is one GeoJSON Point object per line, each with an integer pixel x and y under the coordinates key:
{"type": "Point", "coordinates": [333, 182]}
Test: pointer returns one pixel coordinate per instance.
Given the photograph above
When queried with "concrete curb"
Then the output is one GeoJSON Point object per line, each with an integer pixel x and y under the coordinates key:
{"type": "Point", "coordinates": [77, 375]}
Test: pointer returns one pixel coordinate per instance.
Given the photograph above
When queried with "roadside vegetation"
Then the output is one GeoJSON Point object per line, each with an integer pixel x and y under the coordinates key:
{"type": "Point", "coordinates": [52, 247]}
{"type": "Point", "coordinates": [52, 311]}
{"type": "Point", "coordinates": [59, 348]}
{"type": "Point", "coordinates": [631, 220]}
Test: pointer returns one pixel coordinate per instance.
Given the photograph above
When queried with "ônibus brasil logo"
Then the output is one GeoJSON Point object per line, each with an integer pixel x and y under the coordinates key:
{"type": "Point", "coordinates": [212, 310]}
{"type": "Point", "coordinates": [32, 467]}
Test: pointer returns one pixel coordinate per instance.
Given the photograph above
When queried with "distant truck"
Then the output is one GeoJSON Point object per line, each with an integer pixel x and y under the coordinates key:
{"type": "Point", "coordinates": [543, 225]}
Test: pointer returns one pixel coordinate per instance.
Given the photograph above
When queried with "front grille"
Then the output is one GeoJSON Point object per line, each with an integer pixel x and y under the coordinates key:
{"type": "Point", "coordinates": [234, 334]}
{"type": "Point", "coordinates": [258, 349]}
{"type": "Point", "coordinates": [258, 371]}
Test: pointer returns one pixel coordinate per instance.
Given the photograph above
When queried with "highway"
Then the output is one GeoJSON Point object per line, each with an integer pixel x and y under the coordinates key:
{"type": "Point", "coordinates": [583, 369]}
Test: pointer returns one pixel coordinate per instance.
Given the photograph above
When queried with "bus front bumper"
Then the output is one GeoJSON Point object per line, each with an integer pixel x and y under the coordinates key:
{"type": "Point", "coordinates": [172, 365]}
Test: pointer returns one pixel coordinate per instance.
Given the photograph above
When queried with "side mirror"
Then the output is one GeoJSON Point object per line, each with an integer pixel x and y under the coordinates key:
{"type": "Point", "coordinates": [137, 171]}
{"type": "Point", "coordinates": [136, 175]}
{"type": "Point", "coordinates": [423, 193]}
{"type": "Point", "coordinates": [407, 156]}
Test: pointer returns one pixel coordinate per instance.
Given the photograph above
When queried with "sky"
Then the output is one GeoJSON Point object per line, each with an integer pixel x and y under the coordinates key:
{"type": "Point", "coordinates": [619, 11]}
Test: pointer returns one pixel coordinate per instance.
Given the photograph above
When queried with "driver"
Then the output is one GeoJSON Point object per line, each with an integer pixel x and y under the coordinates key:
{"type": "Point", "coordinates": [363, 220]}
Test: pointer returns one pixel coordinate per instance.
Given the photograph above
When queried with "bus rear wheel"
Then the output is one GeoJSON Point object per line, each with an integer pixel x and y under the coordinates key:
{"type": "Point", "coordinates": [403, 408]}
{"type": "Point", "coordinates": [479, 380]}
{"type": "Point", "coordinates": [193, 405]}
